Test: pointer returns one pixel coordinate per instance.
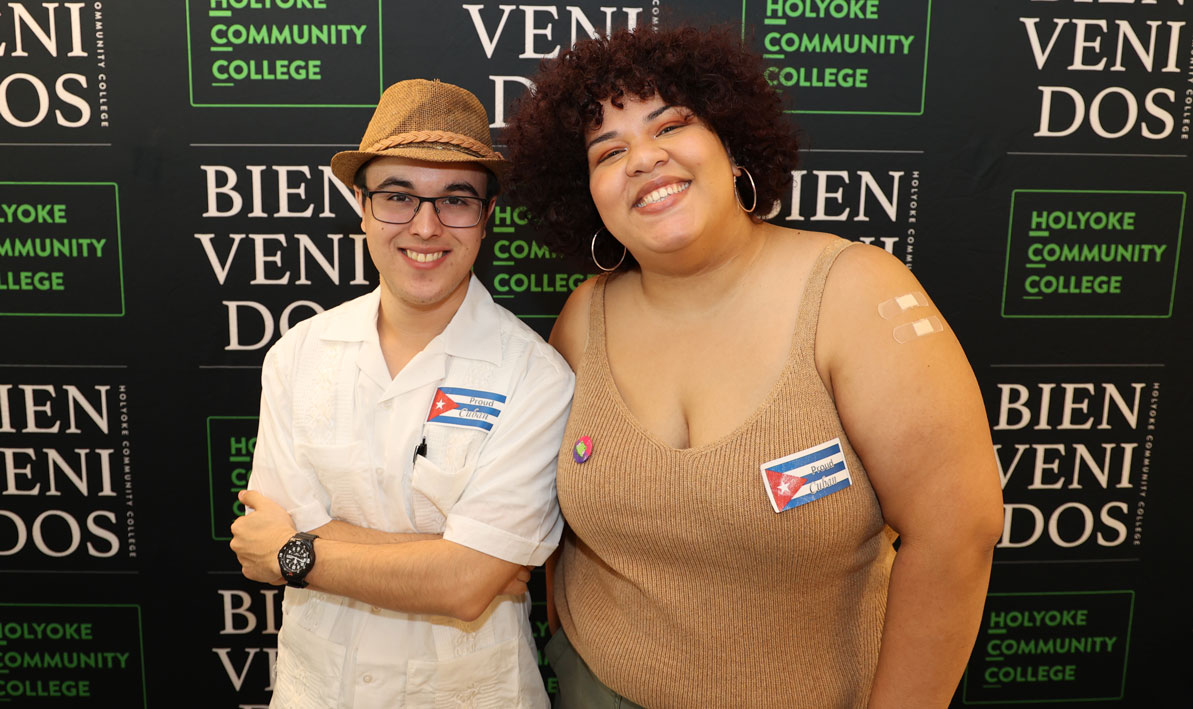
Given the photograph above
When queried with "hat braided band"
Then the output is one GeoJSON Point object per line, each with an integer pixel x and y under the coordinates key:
{"type": "Point", "coordinates": [467, 145]}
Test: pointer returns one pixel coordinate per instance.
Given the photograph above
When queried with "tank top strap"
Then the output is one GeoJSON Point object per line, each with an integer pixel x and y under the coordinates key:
{"type": "Point", "coordinates": [594, 347]}
{"type": "Point", "coordinates": [809, 309]}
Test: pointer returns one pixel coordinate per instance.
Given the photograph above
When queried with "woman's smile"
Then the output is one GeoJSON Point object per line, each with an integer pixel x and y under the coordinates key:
{"type": "Point", "coordinates": [659, 194]}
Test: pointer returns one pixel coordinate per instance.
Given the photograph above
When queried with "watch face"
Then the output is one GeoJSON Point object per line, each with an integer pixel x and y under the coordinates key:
{"type": "Point", "coordinates": [296, 556]}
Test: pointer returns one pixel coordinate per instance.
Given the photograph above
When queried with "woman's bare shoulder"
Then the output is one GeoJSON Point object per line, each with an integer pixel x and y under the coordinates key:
{"type": "Point", "coordinates": [863, 274]}
{"type": "Point", "coordinates": [570, 334]}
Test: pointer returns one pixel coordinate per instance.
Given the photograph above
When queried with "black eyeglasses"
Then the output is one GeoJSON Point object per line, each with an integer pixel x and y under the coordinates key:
{"type": "Point", "coordinates": [454, 211]}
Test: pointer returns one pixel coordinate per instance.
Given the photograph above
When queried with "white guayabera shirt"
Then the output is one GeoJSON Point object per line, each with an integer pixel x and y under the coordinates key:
{"type": "Point", "coordinates": [339, 439]}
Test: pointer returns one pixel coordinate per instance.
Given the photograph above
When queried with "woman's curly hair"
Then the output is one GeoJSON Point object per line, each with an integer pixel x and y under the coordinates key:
{"type": "Point", "coordinates": [706, 71]}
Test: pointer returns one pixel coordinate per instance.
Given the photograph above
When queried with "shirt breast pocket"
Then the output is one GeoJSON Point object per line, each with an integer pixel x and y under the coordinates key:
{"type": "Point", "coordinates": [441, 475]}
{"type": "Point", "coordinates": [345, 471]}
{"type": "Point", "coordinates": [435, 493]}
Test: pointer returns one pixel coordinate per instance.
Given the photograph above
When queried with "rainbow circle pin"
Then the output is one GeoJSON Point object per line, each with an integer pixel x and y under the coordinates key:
{"type": "Point", "coordinates": [582, 451]}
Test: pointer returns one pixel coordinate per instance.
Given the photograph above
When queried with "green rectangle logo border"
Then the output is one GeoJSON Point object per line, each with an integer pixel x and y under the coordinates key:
{"type": "Point", "coordinates": [140, 630]}
{"type": "Point", "coordinates": [119, 256]}
{"type": "Point", "coordinates": [1175, 265]}
{"type": "Point", "coordinates": [1126, 657]}
{"type": "Point", "coordinates": [190, 76]}
{"type": "Point", "coordinates": [211, 469]}
{"type": "Point", "coordinates": [923, 80]}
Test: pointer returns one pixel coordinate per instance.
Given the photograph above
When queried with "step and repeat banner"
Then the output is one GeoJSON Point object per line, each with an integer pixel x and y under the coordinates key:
{"type": "Point", "coordinates": [166, 213]}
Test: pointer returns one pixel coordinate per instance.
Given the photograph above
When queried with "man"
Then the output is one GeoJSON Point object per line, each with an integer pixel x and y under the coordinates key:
{"type": "Point", "coordinates": [411, 435]}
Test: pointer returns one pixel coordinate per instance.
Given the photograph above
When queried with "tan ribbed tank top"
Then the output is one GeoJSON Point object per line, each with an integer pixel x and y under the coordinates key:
{"type": "Point", "coordinates": [678, 583]}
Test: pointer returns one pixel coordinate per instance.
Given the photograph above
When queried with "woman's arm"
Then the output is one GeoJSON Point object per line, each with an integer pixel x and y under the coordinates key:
{"type": "Point", "coordinates": [569, 336]}
{"type": "Point", "coordinates": [914, 414]}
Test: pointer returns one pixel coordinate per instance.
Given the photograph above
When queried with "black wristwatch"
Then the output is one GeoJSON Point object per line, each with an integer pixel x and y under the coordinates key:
{"type": "Point", "coordinates": [296, 557]}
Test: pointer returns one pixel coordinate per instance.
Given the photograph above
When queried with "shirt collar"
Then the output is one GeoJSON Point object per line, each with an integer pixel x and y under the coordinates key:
{"type": "Point", "coordinates": [474, 332]}
{"type": "Point", "coordinates": [357, 321]}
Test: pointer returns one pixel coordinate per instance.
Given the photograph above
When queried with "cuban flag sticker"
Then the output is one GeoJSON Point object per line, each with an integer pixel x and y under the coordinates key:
{"type": "Point", "coordinates": [799, 478]}
{"type": "Point", "coordinates": [456, 406]}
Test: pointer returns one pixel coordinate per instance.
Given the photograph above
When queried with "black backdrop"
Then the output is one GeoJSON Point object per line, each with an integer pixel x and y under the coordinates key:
{"type": "Point", "coordinates": [166, 212]}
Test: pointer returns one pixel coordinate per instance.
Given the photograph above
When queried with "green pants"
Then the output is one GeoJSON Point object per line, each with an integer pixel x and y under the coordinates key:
{"type": "Point", "coordinates": [579, 688]}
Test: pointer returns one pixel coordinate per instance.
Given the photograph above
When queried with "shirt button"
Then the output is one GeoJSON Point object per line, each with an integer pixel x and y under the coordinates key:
{"type": "Point", "coordinates": [367, 679]}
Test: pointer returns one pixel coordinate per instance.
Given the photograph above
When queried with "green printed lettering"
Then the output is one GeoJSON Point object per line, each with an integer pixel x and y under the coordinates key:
{"type": "Point", "coordinates": [241, 445]}
{"type": "Point", "coordinates": [1030, 674]}
{"type": "Point", "coordinates": [830, 77]}
{"type": "Point", "coordinates": [52, 248]}
{"type": "Point", "coordinates": [1097, 253]}
{"type": "Point", "coordinates": [287, 34]}
{"type": "Point", "coordinates": [1049, 646]}
{"type": "Point", "coordinates": [269, 4]}
{"type": "Point", "coordinates": [32, 280]}
{"type": "Point", "coordinates": [267, 69]}
{"type": "Point", "coordinates": [259, 35]}
{"type": "Point", "coordinates": [537, 282]}
{"type": "Point", "coordinates": [508, 216]}
{"type": "Point", "coordinates": [1071, 285]}
{"type": "Point", "coordinates": [53, 631]}
{"type": "Point", "coordinates": [1035, 619]}
{"type": "Point", "coordinates": [33, 213]}
{"type": "Point", "coordinates": [836, 9]}
{"type": "Point", "coordinates": [1098, 221]}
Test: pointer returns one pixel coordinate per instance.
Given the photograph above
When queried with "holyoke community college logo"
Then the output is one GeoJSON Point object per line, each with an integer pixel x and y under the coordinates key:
{"type": "Point", "coordinates": [843, 56]}
{"type": "Point", "coordinates": [1092, 253]}
{"type": "Point", "coordinates": [283, 53]}
{"type": "Point", "coordinates": [60, 249]}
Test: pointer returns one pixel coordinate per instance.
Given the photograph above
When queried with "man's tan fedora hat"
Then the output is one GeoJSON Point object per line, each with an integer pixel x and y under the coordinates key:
{"type": "Point", "coordinates": [425, 120]}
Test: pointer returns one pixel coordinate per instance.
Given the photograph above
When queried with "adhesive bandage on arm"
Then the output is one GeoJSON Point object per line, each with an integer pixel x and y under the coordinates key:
{"type": "Point", "coordinates": [919, 328]}
{"type": "Point", "coordinates": [890, 308]}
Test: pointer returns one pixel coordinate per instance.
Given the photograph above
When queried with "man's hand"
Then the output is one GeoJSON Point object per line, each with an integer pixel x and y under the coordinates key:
{"type": "Point", "coordinates": [517, 585]}
{"type": "Point", "coordinates": [259, 535]}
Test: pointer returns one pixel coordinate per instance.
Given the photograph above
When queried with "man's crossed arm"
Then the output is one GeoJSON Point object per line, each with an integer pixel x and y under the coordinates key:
{"type": "Point", "coordinates": [413, 573]}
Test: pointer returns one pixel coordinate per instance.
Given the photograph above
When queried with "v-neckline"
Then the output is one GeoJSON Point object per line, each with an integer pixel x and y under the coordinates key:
{"type": "Point", "coordinates": [799, 339]}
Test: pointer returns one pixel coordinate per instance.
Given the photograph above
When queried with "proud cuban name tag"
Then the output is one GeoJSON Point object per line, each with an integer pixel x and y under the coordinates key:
{"type": "Point", "coordinates": [808, 475]}
{"type": "Point", "coordinates": [457, 406]}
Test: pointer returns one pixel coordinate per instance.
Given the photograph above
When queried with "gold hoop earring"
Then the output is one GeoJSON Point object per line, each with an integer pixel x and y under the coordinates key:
{"type": "Point", "coordinates": [753, 189]}
{"type": "Point", "coordinates": [593, 251]}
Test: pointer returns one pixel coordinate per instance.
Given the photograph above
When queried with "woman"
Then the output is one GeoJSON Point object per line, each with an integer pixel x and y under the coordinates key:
{"type": "Point", "coordinates": [759, 411]}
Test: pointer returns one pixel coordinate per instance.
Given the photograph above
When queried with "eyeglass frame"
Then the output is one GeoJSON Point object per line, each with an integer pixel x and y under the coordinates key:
{"type": "Point", "coordinates": [368, 196]}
